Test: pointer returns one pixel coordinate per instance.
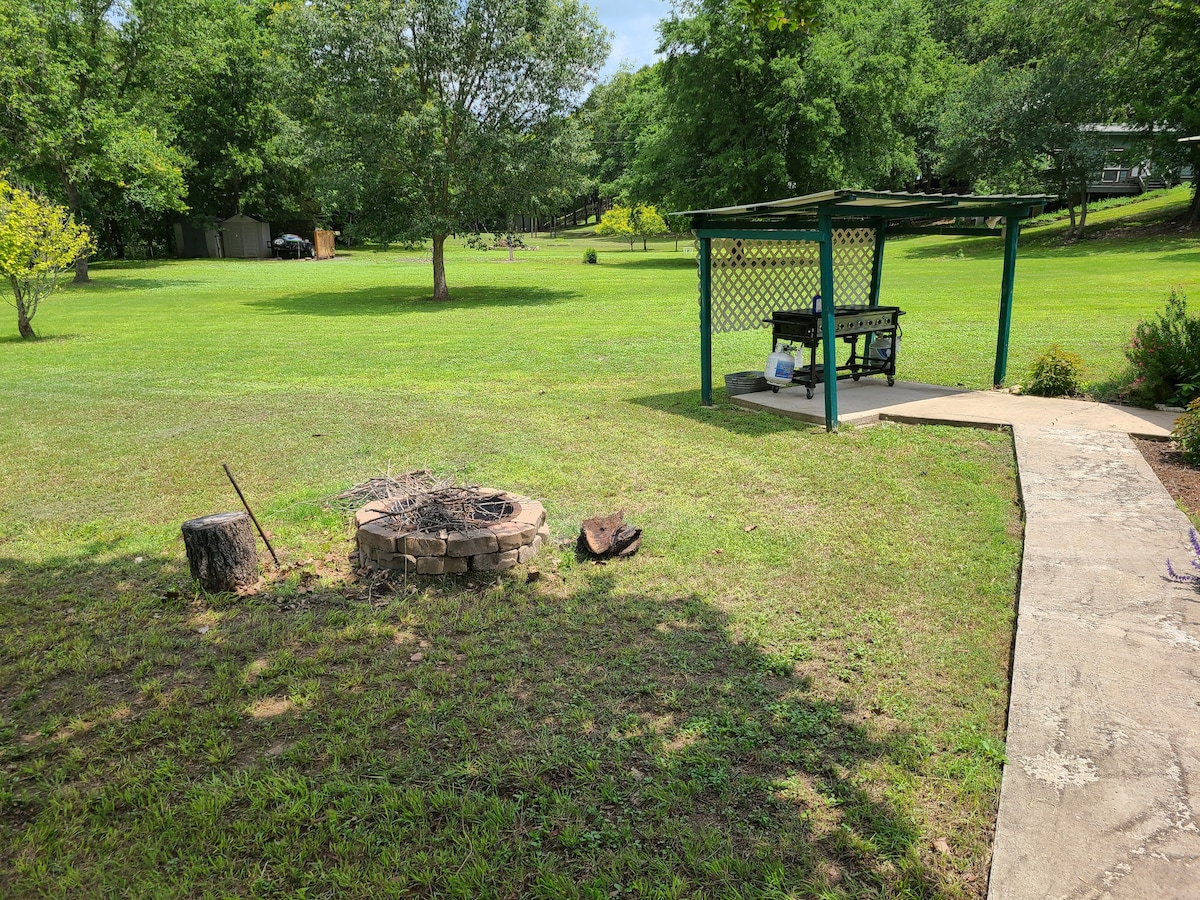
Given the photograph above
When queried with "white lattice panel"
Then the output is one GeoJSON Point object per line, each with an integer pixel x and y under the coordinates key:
{"type": "Point", "coordinates": [753, 278]}
{"type": "Point", "coordinates": [853, 255]}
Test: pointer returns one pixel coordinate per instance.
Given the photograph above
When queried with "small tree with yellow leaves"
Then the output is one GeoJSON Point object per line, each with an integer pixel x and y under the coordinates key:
{"type": "Point", "coordinates": [38, 243]}
{"type": "Point", "coordinates": [618, 223]}
{"type": "Point", "coordinates": [630, 222]}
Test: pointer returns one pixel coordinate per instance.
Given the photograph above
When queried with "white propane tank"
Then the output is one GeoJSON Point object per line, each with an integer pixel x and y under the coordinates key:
{"type": "Point", "coordinates": [780, 367]}
{"type": "Point", "coordinates": [882, 349]}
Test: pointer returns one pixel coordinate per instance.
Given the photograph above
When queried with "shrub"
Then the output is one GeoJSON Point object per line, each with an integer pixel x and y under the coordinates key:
{"type": "Point", "coordinates": [1165, 354]}
{"type": "Point", "coordinates": [589, 256]}
{"type": "Point", "coordinates": [1056, 373]}
{"type": "Point", "coordinates": [1187, 433]}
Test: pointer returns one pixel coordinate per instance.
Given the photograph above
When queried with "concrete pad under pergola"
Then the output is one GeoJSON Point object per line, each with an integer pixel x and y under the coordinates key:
{"type": "Point", "coordinates": [759, 270]}
{"type": "Point", "coordinates": [870, 401]}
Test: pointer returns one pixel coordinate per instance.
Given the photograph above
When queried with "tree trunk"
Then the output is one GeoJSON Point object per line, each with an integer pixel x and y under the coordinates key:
{"type": "Point", "coordinates": [643, 242]}
{"type": "Point", "coordinates": [1194, 215]}
{"type": "Point", "coordinates": [440, 291]}
{"type": "Point", "coordinates": [117, 238]}
{"type": "Point", "coordinates": [81, 261]}
{"type": "Point", "coordinates": [1082, 213]}
{"type": "Point", "coordinates": [221, 551]}
{"type": "Point", "coordinates": [23, 326]}
{"type": "Point", "coordinates": [1071, 230]}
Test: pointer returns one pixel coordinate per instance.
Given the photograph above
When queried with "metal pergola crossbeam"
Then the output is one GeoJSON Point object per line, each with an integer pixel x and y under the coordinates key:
{"type": "Point", "coordinates": [751, 241]}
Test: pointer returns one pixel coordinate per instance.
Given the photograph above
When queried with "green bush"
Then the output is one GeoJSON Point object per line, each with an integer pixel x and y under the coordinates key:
{"type": "Point", "coordinates": [1165, 354]}
{"type": "Point", "coordinates": [1056, 373]}
{"type": "Point", "coordinates": [1187, 433]}
{"type": "Point", "coordinates": [589, 256]}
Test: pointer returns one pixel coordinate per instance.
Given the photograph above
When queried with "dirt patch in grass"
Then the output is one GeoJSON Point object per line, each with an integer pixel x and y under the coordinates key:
{"type": "Point", "coordinates": [269, 707]}
{"type": "Point", "coordinates": [1181, 480]}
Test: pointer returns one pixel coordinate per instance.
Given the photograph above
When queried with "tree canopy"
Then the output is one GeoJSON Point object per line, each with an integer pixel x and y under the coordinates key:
{"type": "Point", "coordinates": [420, 119]}
{"type": "Point", "coordinates": [437, 116]}
{"type": "Point", "coordinates": [77, 107]}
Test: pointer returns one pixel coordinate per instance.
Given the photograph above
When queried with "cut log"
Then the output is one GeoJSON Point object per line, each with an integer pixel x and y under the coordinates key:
{"type": "Point", "coordinates": [627, 541]}
{"type": "Point", "coordinates": [598, 532]}
{"type": "Point", "coordinates": [605, 536]}
{"type": "Point", "coordinates": [221, 551]}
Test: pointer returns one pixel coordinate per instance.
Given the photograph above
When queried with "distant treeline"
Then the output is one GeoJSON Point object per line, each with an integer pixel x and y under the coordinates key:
{"type": "Point", "coordinates": [425, 118]}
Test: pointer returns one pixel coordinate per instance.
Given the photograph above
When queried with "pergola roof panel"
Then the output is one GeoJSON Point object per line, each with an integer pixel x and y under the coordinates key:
{"type": "Point", "coordinates": [870, 204]}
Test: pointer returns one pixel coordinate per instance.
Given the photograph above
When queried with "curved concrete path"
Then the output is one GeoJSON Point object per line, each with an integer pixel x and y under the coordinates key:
{"type": "Point", "coordinates": [1101, 788]}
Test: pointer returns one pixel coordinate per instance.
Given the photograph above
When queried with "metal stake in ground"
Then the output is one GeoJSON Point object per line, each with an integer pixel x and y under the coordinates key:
{"type": "Point", "coordinates": [241, 497]}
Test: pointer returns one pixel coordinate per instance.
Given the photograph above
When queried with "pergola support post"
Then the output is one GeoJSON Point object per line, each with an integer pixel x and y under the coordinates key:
{"type": "Point", "coordinates": [706, 387]}
{"type": "Point", "coordinates": [828, 337]}
{"type": "Point", "coordinates": [1012, 229]}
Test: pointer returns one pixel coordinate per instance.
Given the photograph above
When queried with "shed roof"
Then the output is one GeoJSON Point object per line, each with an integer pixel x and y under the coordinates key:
{"type": "Point", "coordinates": [875, 205]}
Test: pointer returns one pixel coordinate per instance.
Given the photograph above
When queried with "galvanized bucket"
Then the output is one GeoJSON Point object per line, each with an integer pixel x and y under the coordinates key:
{"type": "Point", "coordinates": [745, 383]}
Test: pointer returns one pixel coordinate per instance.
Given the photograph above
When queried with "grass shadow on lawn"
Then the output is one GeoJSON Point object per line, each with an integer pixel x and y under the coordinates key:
{"type": "Point", "coordinates": [39, 339]}
{"type": "Point", "coordinates": [652, 262]}
{"type": "Point", "coordinates": [468, 738]}
{"type": "Point", "coordinates": [723, 415]}
{"type": "Point", "coordinates": [401, 300]}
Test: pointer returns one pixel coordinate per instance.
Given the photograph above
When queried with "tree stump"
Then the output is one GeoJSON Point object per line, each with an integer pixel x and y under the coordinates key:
{"type": "Point", "coordinates": [221, 551]}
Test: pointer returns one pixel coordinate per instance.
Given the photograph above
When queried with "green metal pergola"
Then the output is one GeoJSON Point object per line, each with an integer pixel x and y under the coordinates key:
{"type": "Point", "coordinates": [768, 255]}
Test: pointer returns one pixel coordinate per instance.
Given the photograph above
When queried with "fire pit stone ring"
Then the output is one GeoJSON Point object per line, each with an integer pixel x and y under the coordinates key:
{"type": "Point", "coordinates": [387, 539]}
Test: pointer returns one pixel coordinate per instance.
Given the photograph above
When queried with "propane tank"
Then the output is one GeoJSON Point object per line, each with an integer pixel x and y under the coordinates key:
{"type": "Point", "coordinates": [780, 366]}
{"type": "Point", "coordinates": [881, 348]}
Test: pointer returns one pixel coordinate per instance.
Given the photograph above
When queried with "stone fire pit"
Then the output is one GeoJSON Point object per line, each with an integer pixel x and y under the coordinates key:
{"type": "Point", "coordinates": [450, 531]}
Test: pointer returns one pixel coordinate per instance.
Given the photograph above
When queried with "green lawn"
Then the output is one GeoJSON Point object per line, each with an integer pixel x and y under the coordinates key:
{"type": "Point", "coordinates": [800, 709]}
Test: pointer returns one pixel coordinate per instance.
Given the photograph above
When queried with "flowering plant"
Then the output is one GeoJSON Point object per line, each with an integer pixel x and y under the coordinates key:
{"type": "Point", "coordinates": [1187, 577]}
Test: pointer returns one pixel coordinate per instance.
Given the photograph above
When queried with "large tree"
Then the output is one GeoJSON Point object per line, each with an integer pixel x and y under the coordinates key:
{"type": "Point", "coordinates": [1027, 114]}
{"type": "Point", "coordinates": [747, 112]}
{"type": "Point", "coordinates": [226, 89]}
{"type": "Point", "coordinates": [1030, 127]}
{"type": "Point", "coordinates": [77, 106]}
{"type": "Point", "coordinates": [437, 115]}
{"type": "Point", "coordinates": [1163, 72]}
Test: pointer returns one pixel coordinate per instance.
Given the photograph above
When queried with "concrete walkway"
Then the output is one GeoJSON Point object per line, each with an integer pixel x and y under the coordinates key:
{"type": "Point", "coordinates": [1101, 791]}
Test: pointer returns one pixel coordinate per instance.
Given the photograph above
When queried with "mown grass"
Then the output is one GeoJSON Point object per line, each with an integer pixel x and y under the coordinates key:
{"type": "Point", "coordinates": [1087, 296]}
{"type": "Point", "coordinates": [801, 708]}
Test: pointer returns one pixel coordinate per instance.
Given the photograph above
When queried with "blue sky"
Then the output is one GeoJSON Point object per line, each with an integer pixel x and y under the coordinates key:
{"type": "Point", "coordinates": [632, 24]}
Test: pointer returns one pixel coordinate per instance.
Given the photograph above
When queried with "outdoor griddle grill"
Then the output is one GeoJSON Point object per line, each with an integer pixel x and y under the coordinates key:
{"type": "Point", "coordinates": [850, 323]}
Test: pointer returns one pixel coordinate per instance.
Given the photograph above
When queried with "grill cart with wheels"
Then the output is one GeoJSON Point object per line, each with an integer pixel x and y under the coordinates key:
{"type": "Point", "coordinates": [851, 323]}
